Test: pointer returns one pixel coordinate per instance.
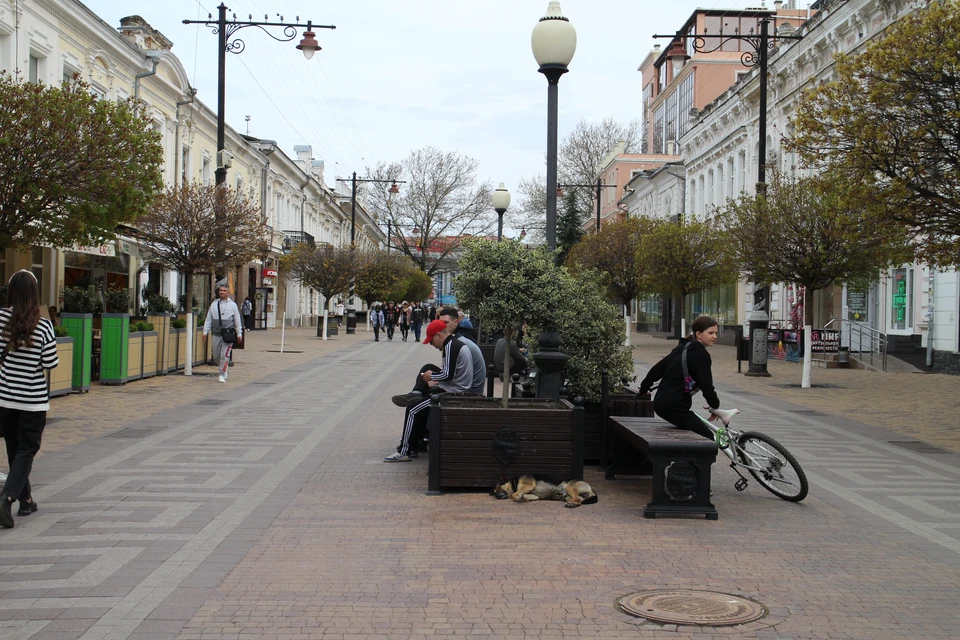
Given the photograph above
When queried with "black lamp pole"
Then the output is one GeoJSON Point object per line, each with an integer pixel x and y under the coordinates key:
{"type": "Point", "coordinates": [353, 199]}
{"type": "Point", "coordinates": [552, 73]}
{"type": "Point", "coordinates": [758, 55]}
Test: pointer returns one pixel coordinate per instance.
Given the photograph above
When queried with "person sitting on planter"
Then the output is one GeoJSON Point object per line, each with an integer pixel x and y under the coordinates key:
{"type": "Point", "coordinates": [451, 317]}
{"type": "Point", "coordinates": [518, 361]}
{"type": "Point", "coordinates": [455, 376]}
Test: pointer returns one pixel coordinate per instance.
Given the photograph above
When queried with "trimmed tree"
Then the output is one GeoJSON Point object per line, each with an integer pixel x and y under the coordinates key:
{"type": "Point", "coordinates": [509, 286]}
{"type": "Point", "coordinates": [72, 166]}
{"type": "Point", "coordinates": [179, 234]}
{"type": "Point", "coordinates": [888, 124]}
{"type": "Point", "coordinates": [326, 268]}
{"type": "Point", "coordinates": [614, 253]}
{"type": "Point", "coordinates": [676, 260]}
{"type": "Point", "coordinates": [378, 272]}
{"type": "Point", "coordinates": [808, 231]}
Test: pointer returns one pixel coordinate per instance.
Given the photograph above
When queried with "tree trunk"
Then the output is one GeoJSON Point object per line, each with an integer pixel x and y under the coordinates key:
{"type": "Point", "coordinates": [807, 341]}
{"type": "Point", "coordinates": [507, 333]}
{"type": "Point", "coordinates": [678, 317]}
{"type": "Point", "coordinates": [191, 332]}
{"type": "Point", "coordinates": [626, 318]}
{"type": "Point", "coordinates": [324, 334]}
{"type": "Point", "coordinates": [807, 307]}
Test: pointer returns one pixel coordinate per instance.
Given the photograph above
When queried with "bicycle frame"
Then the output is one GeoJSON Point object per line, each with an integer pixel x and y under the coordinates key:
{"type": "Point", "coordinates": [728, 441]}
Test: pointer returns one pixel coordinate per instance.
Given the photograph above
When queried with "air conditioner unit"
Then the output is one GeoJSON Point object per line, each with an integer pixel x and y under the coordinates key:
{"type": "Point", "coordinates": [224, 159]}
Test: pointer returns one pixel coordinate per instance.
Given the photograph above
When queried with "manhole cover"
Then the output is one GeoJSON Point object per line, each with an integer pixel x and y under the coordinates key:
{"type": "Point", "coordinates": [211, 402]}
{"type": "Point", "coordinates": [687, 606]}
{"type": "Point", "coordinates": [794, 385]}
{"type": "Point", "coordinates": [918, 447]}
{"type": "Point", "coordinates": [809, 412]}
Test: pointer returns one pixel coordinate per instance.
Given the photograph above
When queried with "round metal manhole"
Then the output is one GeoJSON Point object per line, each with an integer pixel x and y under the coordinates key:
{"type": "Point", "coordinates": [691, 607]}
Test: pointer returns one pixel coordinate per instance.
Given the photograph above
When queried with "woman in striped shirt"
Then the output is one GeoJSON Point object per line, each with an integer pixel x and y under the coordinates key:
{"type": "Point", "coordinates": [28, 346]}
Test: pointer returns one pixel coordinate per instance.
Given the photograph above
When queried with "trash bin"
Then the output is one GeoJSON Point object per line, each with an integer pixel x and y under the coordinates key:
{"type": "Point", "coordinates": [351, 321]}
{"type": "Point", "coordinates": [843, 357]}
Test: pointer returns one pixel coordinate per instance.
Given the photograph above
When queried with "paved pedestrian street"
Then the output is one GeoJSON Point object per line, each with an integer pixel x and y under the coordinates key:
{"type": "Point", "coordinates": [261, 509]}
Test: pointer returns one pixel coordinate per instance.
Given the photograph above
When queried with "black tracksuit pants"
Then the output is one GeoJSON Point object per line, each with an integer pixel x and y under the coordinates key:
{"type": "Point", "coordinates": [683, 419]}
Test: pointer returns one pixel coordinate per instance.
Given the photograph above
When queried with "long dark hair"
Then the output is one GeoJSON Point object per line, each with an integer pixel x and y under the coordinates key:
{"type": "Point", "coordinates": [701, 323]}
{"type": "Point", "coordinates": [23, 298]}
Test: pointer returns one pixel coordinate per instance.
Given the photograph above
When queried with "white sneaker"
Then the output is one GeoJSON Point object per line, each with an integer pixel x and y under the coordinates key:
{"type": "Point", "coordinates": [220, 378]}
{"type": "Point", "coordinates": [226, 374]}
{"type": "Point", "coordinates": [396, 457]}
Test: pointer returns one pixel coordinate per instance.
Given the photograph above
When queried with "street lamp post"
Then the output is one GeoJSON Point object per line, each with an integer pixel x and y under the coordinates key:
{"type": "Point", "coordinates": [600, 186]}
{"type": "Point", "coordinates": [758, 55]}
{"type": "Point", "coordinates": [501, 200]}
{"type": "Point", "coordinates": [554, 41]}
{"type": "Point", "coordinates": [228, 44]}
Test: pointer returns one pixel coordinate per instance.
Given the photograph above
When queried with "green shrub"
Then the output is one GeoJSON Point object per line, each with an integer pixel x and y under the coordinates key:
{"type": "Point", "coordinates": [133, 327]}
{"type": "Point", "coordinates": [60, 331]}
{"type": "Point", "coordinates": [178, 323]}
{"type": "Point", "coordinates": [117, 300]}
{"type": "Point", "coordinates": [81, 300]}
{"type": "Point", "coordinates": [144, 326]}
{"type": "Point", "coordinates": [159, 303]}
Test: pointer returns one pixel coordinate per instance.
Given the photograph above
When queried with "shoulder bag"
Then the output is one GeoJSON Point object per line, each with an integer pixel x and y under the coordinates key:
{"type": "Point", "coordinates": [227, 334]}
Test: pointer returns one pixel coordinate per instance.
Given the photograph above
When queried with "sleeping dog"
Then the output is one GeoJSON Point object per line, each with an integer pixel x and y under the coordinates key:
{"type": "Point", "coordinates": [528, 488]}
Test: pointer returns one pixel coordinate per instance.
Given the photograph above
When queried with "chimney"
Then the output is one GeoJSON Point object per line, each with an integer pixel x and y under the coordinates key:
{"type": "Point", "coordinates": [139, 32]}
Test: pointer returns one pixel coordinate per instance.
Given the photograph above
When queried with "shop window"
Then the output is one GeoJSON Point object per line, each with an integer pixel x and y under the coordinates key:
{"type": "Point", "coordinates": [901, 312]}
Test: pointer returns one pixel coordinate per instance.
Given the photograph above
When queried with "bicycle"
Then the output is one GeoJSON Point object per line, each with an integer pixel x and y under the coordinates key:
{"type": "Point", "coordinates": [767, 460]}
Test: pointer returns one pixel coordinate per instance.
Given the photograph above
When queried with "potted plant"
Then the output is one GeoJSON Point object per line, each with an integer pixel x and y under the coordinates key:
{"type": "Point", "coordinates": [61, 377]}
{"type": "Point", "coordinates": [160, 313]}
{"type": "Point", "coordinates": [473, 440]}
{"type": "Point", "coordinates": [150, 350]}
{"type": "Point", "coordinates": [115, 337]}
{"type": "Point", "coordinates": [79, 305]}
{"type": "Point", "coordinates": [178, 331]}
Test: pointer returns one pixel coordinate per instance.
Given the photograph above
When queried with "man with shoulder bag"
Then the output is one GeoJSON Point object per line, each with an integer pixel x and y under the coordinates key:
{"type": "Point", "coordinates": [226, 324]}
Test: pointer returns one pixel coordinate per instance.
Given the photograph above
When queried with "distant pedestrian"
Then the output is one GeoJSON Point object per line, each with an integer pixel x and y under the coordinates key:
{"type": "Point", "coordinates": [340, 311]}
{"type": "Point", "coordinates": [377, 320]}
{"type": "Point", "coordinates": [416, 320]}
{"type": "Point", "coordinates": [465, 321]}
{"type": "Point", "coordinates": [246, 310]}
{"type": "Point", "coordinates": [433, 313]}
{"type": "Point", "coordinates": [28, 346]}
{"type": "Point", "coordinates": [390, 318]}
{"type": "Point", "coordinates": [404, 320]}
{"type": "Point", "coordinates": [223, 320]}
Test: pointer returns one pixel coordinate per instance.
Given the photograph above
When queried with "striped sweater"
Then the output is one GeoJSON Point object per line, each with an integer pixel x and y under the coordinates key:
{"type": "Point", "coordinates": [23, 384]}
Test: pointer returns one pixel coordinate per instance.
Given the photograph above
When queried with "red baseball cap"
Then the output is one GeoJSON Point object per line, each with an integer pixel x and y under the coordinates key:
{"type": "Point", "coordinates": [433, 329]}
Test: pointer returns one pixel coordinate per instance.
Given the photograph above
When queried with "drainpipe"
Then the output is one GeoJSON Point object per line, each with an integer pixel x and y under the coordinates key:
{"type": "Point", "coordinates": [303, 202]}
{"type": "Point", "coordinates": [176, 136]}
{"type": "Point", "coordinates": [136, 80]}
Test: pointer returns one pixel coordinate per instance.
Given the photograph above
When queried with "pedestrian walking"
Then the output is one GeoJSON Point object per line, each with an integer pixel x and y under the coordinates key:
{"type": "Point", "coordinates": [340, 311]}
{"type": "Point", "coordinates": [223, 320]}
{"type": "Point", "coordinates": [28, 347]}
{"type": "Point", "coordinates": [433, 313]}
{"type": "Point", "coordinates": [416, 320]}
{"type": "Point", "coordinates": [246, 310]}
{"type": "Point", "coordinates": [404, 320]}
{"type": "Point", "coordinates": [377, 320]}
{"type": "Point", "coordinates": [390, 318]}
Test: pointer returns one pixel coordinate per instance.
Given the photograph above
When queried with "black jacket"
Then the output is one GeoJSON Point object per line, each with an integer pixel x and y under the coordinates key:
{"type": "Point", "coordinates": [669, 372]}
{"type": "Point", "coordinates": [469, 334]}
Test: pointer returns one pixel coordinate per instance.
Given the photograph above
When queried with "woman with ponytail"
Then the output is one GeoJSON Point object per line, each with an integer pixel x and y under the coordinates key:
{"type": "Point", "coordinates": [680, 380]}
{"type": "Point", "coordinates": [28, 347]}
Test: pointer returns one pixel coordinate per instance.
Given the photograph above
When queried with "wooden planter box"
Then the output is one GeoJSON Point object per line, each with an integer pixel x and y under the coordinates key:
{"type": "Point", "coordinates": [178, 345]}
{"type": "Point", "coordinates": [114, 347]}
{"type": "Point", "coordinates": [151, 340]}
{"type": "Point", "coordinates": [80, 328]}
{"type": "Point", "coordinates": [135, 356]}
{"type": "Point", "coordinates": [621, 404]}
{"type": "Point", "coordinates": [161, 324]}
{"type": "Point", "coordinates": [60, 379]}
{"type": "Point", "coordinates": [474, 441]}
{"type": "Point", "coordinates": [199, 348]}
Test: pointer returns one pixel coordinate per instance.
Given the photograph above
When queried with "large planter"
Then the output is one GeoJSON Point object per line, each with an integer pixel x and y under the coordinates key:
{"type": "Point", "coordinates": [80, 328]}
{"type": "Point", "coordinates": [61, 377]}
{"type": "Point", "coordinates": [178, 340]}
{"type": "Point", "coordinates": [199, 348]}
{"type": "Point", "coordinates": [474, 441]}
{"type": "Point", "coordinates": [161, 324]}
{"type": "Point", "coordinates": [114, 347]}
{"type": "Point", "coordinates": [135, 356]}
{"type": "Point", "coordinates": [620, 404]}
{"type": "Point", "coordinates": [151, 348]}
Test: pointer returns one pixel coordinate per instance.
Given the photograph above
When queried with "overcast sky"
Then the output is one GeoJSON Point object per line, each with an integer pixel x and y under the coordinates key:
{"type": "Point", "coordinates": [400, 75]}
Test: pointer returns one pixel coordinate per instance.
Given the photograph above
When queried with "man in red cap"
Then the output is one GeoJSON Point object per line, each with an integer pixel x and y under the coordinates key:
{"type": "Point", "coordinates": [455, 376]}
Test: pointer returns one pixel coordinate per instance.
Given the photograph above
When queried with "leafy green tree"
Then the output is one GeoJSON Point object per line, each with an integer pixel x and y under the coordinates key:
{"type": "Point", "coordinates": [615, 254]}
{"type": "Point", "coordinates": [416, 285]}
{"type": "Point", "coordinates": [378, 273]}
{"type": "Point", "coordinates": [888, 123]}
{"type": "Point", "coordinates": [508, 286]}
{"type": "Point", "coordinates": [72, 166]}
{"type": "Point", "coordinates": [326, 268]}
{"type": "Point", "coordinates": [676, 260]}
{"type": "Point", "coordinates": [569, 226]}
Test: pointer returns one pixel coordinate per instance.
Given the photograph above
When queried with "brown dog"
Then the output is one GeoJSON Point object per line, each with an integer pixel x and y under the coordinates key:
{"type": "Point", "coordinates": [528, 488]}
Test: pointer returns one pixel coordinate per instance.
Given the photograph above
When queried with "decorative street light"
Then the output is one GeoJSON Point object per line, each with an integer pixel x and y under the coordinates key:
{"type": "Point", "coordinates": [225, 30]}
{"type": "Point", "coordinates": [760, 45]}
{"type": "Point", "coordinates": [501, 200]}
{"type": "Point", "coordinates": [554, 41]}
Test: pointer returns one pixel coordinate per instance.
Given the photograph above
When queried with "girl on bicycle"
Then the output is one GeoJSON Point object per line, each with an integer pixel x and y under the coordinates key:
{"type": "Point", "coordinates": [675, 393]}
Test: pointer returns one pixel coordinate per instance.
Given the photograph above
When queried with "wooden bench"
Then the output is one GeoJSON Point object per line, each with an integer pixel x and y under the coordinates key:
{"type": "Point", "coordinates": [664, 445]}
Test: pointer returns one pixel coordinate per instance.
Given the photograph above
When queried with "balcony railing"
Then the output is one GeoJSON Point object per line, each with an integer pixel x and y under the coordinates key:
{"type": "Point", "coordinates": [292, 238]}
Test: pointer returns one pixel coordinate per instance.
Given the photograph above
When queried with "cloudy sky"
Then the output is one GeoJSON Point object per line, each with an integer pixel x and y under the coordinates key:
{"type": "Point", "coordinates": [400, 75]}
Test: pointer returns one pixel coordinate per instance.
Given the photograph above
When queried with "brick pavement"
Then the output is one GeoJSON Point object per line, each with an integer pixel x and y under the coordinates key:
{"type": "Point", "coordinates": [263, 511]}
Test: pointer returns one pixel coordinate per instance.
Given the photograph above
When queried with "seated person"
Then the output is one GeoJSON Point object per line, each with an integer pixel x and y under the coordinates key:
{"type": "Point", "coordinates": [518, 361]}
{"type": "Point", "coordinates": [455, 376]}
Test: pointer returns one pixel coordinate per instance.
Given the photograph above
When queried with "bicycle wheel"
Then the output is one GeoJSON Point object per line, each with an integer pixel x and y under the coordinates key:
{"type": "Point", "coordinates": [779, 472]}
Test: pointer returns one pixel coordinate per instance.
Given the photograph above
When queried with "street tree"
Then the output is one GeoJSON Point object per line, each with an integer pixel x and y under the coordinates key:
{"type": "Point", "coordinates": [417, 285]}
{"type": "Point", "coordinates": [72, 166]}
{"type": "Point", "coordinates": [578, 159]}
{"type": "Point", "coordinates": [888, 124]}
{"type": "Point", "coordinates": [808, 231]}
{"type": "Point", "coordinates": [679, 259]}
{"type": "Point", "coordinates": [509, 286]}
{"type": "Point", "coordinates": [178, 233]}
{"type": "Point", "coordinates": [440, 203]}
{"type": "Point", "coordinates": [569, 226]}
{"type": "Point", "coordinates": [614, 252]}
{"type": "Point", "coordinates": [326, 268]}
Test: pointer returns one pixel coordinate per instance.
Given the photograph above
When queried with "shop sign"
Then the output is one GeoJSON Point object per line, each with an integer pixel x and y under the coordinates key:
{"type": "Point", "coordinates": [857, 305]}
{"type": "Point", "coordinates": [825, 341]}
{"type": "Point", "coordinates": [109, 250]}
{"type": "Point", "coordinates": [269, 273]}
